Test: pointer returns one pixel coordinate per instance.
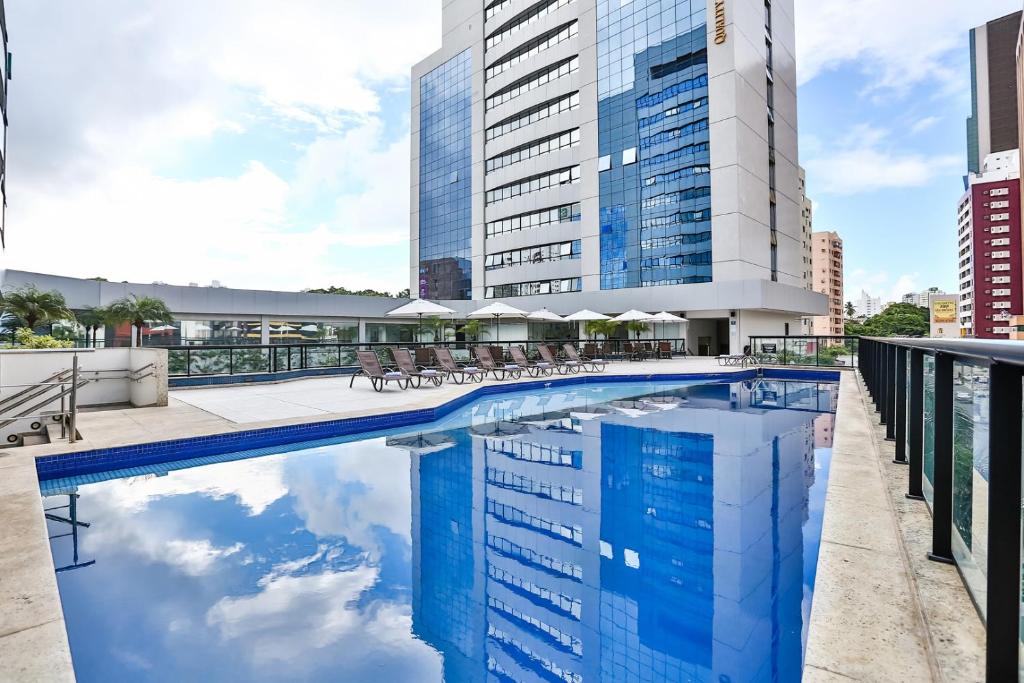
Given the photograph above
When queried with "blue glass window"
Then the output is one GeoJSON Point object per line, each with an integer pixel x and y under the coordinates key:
{"type": "Point", "coordinates": [653, 108]}
{"type": "Point", "coordinates": [445, 180]}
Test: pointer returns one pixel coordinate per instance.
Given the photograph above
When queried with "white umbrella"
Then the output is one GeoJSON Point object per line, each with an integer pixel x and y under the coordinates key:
{"type": "Point", "coordinates": [163, 328]}
{"type": "Point", "coordinates": [419, 308]}
{"type": "Point", "coordinates": [202, 328]}
{"type": "Point", "coordinates": [633, 316]}
{"type": "Point", "coordinates": [546, 316]}
{"type": "Point", "coordinates": [496, 310]}
{"type": "Point", "coordinates": [283, 329]}
{"type": "Point", "coordinates": [665, 317]}
{"type": "Point", "coordinates": [309, 328]}
{"type": "Point", "coordinates": [234, 328]}
{"type": "Point", "coordinates": [585, 316]}
{"type": "Point", "coordinates": [421, 444]}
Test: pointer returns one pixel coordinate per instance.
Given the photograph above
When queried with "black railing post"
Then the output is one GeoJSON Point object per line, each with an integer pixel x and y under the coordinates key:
{"type": "Point", "coordinates": [188, 362]}
{"type": "Point", "coordinates": [942, 503]}
{"type": "Point", "coordinates": [915, 426]}
{"type": "Point", "coordinates": [1004, 510]}
{"type": "Point", "coordinates": [900, 415]}
{"type": "Point", "coordinates": [231, 361]}
{"type": "Point", "coordinates": [890, 392]}
{"type": "Point", "coordinates": [883, 385]}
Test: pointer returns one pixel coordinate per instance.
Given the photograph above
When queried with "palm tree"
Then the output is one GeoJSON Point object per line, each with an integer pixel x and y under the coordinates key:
{"type": "Point", "coordinates": [605, 328]}
{"type": "Point", "coordinates": [34, 307]}
{"type": "Point", "coordinates": [138, 311]}
{"type": "Point", "coordinates": [92, 319]}
{"type": "Point", "coordinates": [850, 310]}
{"type": "Point", "coordinates": [472, 329]}
{"type": "Point", "coordinates": [637, 326]}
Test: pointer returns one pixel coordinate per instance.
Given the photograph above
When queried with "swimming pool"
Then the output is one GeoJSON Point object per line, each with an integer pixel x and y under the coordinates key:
{"type": "Point", "coordinates": [648, 531]}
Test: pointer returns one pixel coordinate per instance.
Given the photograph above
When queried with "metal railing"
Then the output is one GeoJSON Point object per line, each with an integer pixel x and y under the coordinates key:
{"type": "Point", "coordinates": [953, 408]}
{"type": "Point", "coordinates": [194, 361]}
{"type": "Point", "coordinates": [36, 397]}
{"type": "Point", "coordinates": [807, 351]}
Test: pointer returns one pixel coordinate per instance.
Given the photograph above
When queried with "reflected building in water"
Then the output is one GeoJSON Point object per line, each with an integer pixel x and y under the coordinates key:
{"type": "Point", "coordinates": [655, 538]}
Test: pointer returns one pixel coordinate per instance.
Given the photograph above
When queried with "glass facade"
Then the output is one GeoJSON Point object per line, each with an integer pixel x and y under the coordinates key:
{"type": "Point", "coordinates": [445, 201]}
{"type": "Point", "coordinates": [654, 143]}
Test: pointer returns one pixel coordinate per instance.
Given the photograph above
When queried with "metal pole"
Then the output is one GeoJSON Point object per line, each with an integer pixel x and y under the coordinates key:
{"type": "Point", "coordinates": [942, 503]}
{"type": "Point", "coordinates": [1002, 616]}
{"type": "Point", "coordinates": [890, 392]}
{"type": "Point", "coordinates": [901, 406]}
{"type": "Point", "coordinates": [73, 404]}
{"type": "Point", "coordinates": [915, 425]}
{"type": "Point", "coordinates": [883, 387]}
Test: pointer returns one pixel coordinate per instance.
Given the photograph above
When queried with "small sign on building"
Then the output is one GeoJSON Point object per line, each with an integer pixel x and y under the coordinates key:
{"type": "Point", "coordinates": [944, 314]}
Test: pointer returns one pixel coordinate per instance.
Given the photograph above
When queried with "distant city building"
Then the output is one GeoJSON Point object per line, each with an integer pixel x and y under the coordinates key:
{"type": "Point", "coordinates": [921, 298]}
{"type": "Point", "coordinates": [562, 158]}
{"type": "Point", "coordinates": [993, 124]}
{"type": "Point", "coordinates": [989, 238]}
{"type": "Point", "coordinates": [827, 279]}
{"type": "Point", "coordinates": [868, 306]}
{"type": "Point", "coordinates": [806, 230]}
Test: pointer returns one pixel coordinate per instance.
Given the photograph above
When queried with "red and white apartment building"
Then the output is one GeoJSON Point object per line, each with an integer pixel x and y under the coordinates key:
{"type": "Point", "coordinates": [989, 233]}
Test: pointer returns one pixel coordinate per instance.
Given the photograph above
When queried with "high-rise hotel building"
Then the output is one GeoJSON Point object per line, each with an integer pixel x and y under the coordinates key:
{"type": "Point", "coordinates": [613, 155]}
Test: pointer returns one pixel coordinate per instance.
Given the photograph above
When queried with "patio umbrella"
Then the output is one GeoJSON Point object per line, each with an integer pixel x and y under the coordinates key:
{"type": "Point", "coordinates": [163, 328]}
{"type": "Point", "coordinates": [665, 317]}
{"type": "Point", "coordinates": [495, 311]}
{"type": "Point", "coordinates": [309, 328]}
{"type": "Point", "coordinates": [585, 316]}
{"type": "Point", "coordinates": [419, 308]}
{"type": "Point", "coordinates": [633, 316]}
{"type": "Point", "coordinates": [546, 316]}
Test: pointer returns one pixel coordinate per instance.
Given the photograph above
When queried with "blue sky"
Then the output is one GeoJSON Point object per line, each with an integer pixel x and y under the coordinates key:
{"type": "Point", "coordinates": [230, 141]}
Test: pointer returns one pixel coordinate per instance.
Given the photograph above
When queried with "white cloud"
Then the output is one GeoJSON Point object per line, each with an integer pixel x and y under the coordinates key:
{"type": "Point", "coordinates": [160, 83]}
{"type": "Point", "coordinates": [895, 44]}
{"type": "Point", "coordinates": [880, 284]}
{"type": "Point", "coordinates": [866, 160]}
{"type": "Point", "coordinates": [924, 124]}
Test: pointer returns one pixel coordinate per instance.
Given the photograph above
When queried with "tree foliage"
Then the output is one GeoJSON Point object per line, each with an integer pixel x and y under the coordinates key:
{"type": "Point", "coordinates": [899, 320]}
{"type": "Point", "coordinates": [345, 291]}
{"type": "Point", "coordinates": [605, 328]}
{"type": "Point", "coordinates": [35, 307]}
{"type": "Point", "coordinates": [138, 311]}
{"type": "Point", "coordinates": [28, 340]}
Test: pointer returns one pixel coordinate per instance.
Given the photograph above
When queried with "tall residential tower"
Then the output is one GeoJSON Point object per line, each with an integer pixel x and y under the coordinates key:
{"type": "Point", "coordinates": [992, 126]}
{"type": "Point", "coordinates": [608, 155]}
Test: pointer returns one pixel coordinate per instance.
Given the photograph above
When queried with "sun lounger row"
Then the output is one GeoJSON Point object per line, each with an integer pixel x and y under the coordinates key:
{"type": "Point", "coordinates": [490, 361]}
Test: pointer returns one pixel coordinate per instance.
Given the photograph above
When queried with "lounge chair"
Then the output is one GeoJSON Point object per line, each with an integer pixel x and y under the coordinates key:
{"type": "Point", "coordinates": [591, 350]}
{"type": "Point", "coordinates": [596, 364]}
{"type": "Point", "coordinates": [403, 359]}
{"type": "Point", "coordinates": [369, 366]}
{"type": "Point", "coordinates": [532, 369]}
{"type": "Point", "coordinates": [425, 358]}
{"type": "Point", "coordinates": [665, 349]}
{"type": "Point", "coordinates": [455, 372]}
{"type": "Point", "coordinates": [633, 351]}
{"type": "Point", "coordinates": [499, 371]}
{"type": "Point", "coordinates": [563, 367]}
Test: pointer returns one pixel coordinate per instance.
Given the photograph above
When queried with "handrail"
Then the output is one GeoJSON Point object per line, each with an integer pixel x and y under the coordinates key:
{"type": "Point", "coordinates": [932, 395]}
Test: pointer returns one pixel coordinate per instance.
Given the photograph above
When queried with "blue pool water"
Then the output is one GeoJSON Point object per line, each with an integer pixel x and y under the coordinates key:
{"type": "Point", "coordinates": [649, 531]}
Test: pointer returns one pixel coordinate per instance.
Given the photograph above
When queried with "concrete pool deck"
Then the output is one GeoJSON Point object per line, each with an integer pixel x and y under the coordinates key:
{"type": "Point", "coordinates": [878, 606]}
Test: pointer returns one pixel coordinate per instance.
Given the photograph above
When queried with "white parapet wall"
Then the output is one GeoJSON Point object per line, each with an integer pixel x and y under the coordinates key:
{"type": "Point", "coordinates": [120, 376]}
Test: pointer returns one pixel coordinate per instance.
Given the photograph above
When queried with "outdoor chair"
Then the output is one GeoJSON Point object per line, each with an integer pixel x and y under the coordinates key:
{"type": "Point", "coordinates": [499, 371]}
{"type": "Point", "coordinates": [664, 349]}
{"type": "Point", "coordinates": [425, 358]}
{"type": "Point", "coordinates": [456, 372]}
{"type": "Point", "coordinates": [563, 367]}
{"type": "Point", "coordinates": [633, 351]}
{"type": "Point", "coordinates": [403, 359]}
{"type": "Point", "coordinates": [648, 350]}
{"type": "Point", "coordinates": [498, 354]}
{"type": "Point", "coordinates": [369, 366]}
{"type": "Point", "coordinates": [532, 369]}
{"type": "Point", "coordinates": [596, 364]}
{"type": "Point", "coordinates": [593, 350]}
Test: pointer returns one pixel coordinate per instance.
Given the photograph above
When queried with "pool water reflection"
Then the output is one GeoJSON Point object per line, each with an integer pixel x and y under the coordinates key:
{"type": "Point", "coordinates": [657, 531]}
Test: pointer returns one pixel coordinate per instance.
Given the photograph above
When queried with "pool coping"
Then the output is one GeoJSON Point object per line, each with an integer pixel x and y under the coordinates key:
{"type": "Point", "coordinates": [33, 638]}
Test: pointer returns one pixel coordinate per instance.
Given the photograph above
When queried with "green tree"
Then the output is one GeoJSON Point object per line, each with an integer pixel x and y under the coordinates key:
{"type": "Point", "coordinates": [92, 319]}
{"type": "Point", "coordinates": [438, 327]}
{"type": "Point", "coordinates": [27, 339]}
{"type": "Point", "coordinates": [899, 320]}
{"type": "Point", "coordinates": [605, 328]}
{"type": "Point", "coordinates": [472, 329]}
{"type": "Point", "coordinates": [138, 311]}
{"type": "Point", "coordinates": [850, 310]}
{"type": "Point", "coordinates": [34, 307]}
{"type": "Point", "coordinates": [637, 326]}
{"type": "Point", "coordinates": [345, 291]}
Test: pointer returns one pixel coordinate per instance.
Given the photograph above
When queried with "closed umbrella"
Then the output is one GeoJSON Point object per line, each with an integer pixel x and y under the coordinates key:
{"type": "Point", "coordinates": [496, 311]}
{"type": "Point", "coordinates": [418, 308]}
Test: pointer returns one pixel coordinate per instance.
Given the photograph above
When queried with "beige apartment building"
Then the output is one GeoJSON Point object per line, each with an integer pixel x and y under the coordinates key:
{"type": "Point", "coordinates": [827, 265]}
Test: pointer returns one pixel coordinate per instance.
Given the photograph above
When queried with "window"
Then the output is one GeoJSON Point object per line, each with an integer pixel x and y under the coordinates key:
{"type": "Point", "coordinates": [542, 253]}
{"type": "Point", "coordinates": [520, 20]}
{"type": "Point", "coordinates": [604, 163]}
{"type": "Point", "coordinates": [537, 183]}
{"type": "Point", "coordinates": [532, 81]}
{"type": "Point", "coordinates": [673, 133]}
{"type": "Point", "coordinates": [496, 7]}
{"type": "Point", "coordinates": [536, 219]}
{"type": "Point", "coordinates": [998, 192]}
{"type": "Point", "coordinates": [629, 156]}
{"type": "Point", "coordinates": [677, 174]}
{"type": "Point", "coordinates": [673, 111]}
{"type": "Point", "coordinates": [535, 46]}
{"type": "Point", "coordinates": [684, 86]}
{"type": "Point", "coordinates": [999, 217]}
{"type": "Point", "coordinates": [569, 138]}
{"type": "Point", "coordinates": [560, 286]}
{"type": "Point", "coordinates": [533, 115]}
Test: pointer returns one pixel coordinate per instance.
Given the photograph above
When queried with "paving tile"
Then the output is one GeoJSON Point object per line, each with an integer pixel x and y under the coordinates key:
{"type": "Point", "coordinates": [40, 654]}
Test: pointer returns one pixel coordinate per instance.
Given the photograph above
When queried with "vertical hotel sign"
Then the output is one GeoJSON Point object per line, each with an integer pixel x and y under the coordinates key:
{"type": "Point", "coordinates": [720, 34]}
